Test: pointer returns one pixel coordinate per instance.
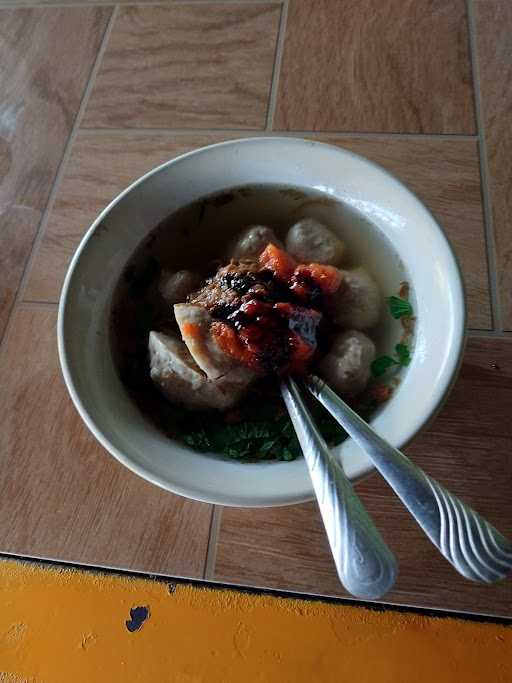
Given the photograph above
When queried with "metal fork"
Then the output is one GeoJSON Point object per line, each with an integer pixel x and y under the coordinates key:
{"type": "Point", "coordinates": [473, 546]}
{"type": "Point", "coordinates": [365, 565]}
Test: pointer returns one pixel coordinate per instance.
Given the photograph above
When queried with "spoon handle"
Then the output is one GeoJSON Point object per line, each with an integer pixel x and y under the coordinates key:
{"type": "Point", "coordinates": [365, 565]}
{"type": "Point", "coordinates": [473, 546]}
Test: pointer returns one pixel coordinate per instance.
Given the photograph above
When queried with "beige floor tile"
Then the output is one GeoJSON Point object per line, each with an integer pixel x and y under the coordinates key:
{"type": "Point", "coordinates": [392, 66]}
{"type": "Point", "coordinates": [190, 66]}
{"type": "Point", "coordinates": [444, 173]}
{"type": "Point", "coordinates": [494, 51]}
{"type": "Point", "coordinates": [61, 495]}
{"type": "Point", "coordinates": [467, 448]}
{"type": "Point", "coordinates": [82, 3]}
{"type": "Point", "coordinates": [100, 166]}
{"type": "Point", "coordinates": [42, 79]}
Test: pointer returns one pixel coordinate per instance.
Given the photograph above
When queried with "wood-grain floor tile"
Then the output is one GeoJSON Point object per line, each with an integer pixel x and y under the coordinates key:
{"type": "Point", "coordinates": [443, 172]}
{"type": "Point", "coordinates": [392, 66]}
{"type": "Point", "coordinates": [61, 495]}
{"type": "Point", "coordinates": [195, 66]}
{"type": "Point", "coordinates": [46, 56]}
{"type": "Point", "coordinates": [100, 166]}
{"type": "Point", "coordinates": [494, 52]}
{"type": "Point", "coordinates": [468, 448]}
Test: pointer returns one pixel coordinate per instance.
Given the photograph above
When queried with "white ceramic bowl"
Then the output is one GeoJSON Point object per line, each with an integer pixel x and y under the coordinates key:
{"type": "Point", "coordinates": [94, 271]}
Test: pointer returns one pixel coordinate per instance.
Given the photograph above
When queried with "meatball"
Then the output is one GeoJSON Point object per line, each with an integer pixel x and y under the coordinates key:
{"type": "Point", "coordinates": [310, 241]}
{"type": "Point", "coordinates": [252, 241]}
{"type": "Point", "coordinates": [346, 367]}
{"type": "Point", "coordinates": [358, 302]}
{"type": "Point", "coordinates": [176, 286]}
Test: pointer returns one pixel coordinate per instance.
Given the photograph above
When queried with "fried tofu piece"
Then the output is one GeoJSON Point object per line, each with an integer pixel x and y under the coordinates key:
{"type": "Point", "coordinates": [182, 381]}
{"type": "Point", "coordinates": [194, 322]}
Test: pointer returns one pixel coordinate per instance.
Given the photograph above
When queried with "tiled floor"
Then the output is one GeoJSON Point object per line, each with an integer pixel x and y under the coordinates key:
{"type": "Point", "coordinates": [493, 22]}
{"type": "Point", "coordinates": [423, 88]}
{"type": "Point", "coordinates": [396, 66]}
{"type": "Point", "coordinates": [42, 81]}
{"type": "Point", "coordinates": [191, 66]}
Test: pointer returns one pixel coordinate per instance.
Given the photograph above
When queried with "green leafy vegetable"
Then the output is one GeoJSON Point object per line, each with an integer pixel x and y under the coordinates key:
{"type": "Point", "coordinates": [403, 353]}
{"type": "Point", "coordinates": [198, 440]}
{"type": "Point", "coordinates": [381, 364]}
{"type": "Point", "coordinates": [263, 432]}
{"type": "Point", "coordinates": [399, 307]}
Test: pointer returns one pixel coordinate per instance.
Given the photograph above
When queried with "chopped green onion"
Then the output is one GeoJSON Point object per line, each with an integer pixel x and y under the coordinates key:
{"type": "Point", "coordinates": [381, 364]}
{"type": "Point", "coordinates": [403, 353]}
{"type": "Point", "coordinates": [399, 307]}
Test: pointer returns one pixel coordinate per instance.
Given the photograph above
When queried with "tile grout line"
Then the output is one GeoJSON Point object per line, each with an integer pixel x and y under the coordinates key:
{"type": "Point", "coordinates": [38, 304]}
{"type": "Point", "coordinates": [276, 72]}
{"type": "Point", "coordinates": [63, 163]}
{"type": "Point", "coordinates": [172, 131]}
{"type": "Point", "coordinates": [134, 3]}
{"type": "Point", "coordinates": [256, 132]}
{"type": "Point", "coordinates": [490, 244]}
{"type": "Point", "coordinates": [213, 538]}
{"type": "Point", "coordinates": [489, 334]}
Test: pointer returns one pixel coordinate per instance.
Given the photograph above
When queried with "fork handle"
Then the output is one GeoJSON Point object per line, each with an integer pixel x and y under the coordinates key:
{"type": "Point", "coordinates": [365, 565]}
{"type": "Point", "coordinates": [473, 546]}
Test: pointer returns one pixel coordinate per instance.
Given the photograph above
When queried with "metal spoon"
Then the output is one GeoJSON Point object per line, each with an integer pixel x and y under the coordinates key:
{"type": "Point", "coordinates": [473, 546]}
{"type": "Point", "coordinates": [365, 565]}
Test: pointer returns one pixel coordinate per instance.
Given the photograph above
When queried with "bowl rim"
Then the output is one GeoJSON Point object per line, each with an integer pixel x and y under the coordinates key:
{"type": "Point", "coordinates": [457, 282]}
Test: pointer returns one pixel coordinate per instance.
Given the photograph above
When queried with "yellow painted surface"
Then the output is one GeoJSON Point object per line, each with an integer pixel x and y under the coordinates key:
{"type": "Point", "coordinates": [62, 625]}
